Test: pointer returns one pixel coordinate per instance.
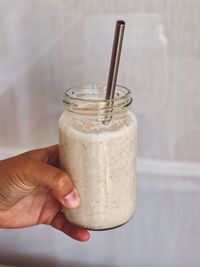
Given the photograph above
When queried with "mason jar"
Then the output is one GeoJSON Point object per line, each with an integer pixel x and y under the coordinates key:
{"type": "Point", "coordinates": [97, 148]}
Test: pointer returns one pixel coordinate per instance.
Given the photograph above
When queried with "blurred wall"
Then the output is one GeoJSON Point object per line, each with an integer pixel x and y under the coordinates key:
{"type": "Point", "coordinates": [47, 46]}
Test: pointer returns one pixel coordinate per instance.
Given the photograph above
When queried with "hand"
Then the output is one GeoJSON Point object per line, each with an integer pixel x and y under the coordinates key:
{"type": "Point", "coordinates": [33, 190]}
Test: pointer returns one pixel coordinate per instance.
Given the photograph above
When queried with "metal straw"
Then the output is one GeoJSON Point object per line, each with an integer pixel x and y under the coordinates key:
{"type": "Point", "coordinates": [115, 59]}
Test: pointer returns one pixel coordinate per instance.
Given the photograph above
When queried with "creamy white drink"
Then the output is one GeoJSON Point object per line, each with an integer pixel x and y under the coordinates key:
{"type": "Point", "coordinates": [100, 158]}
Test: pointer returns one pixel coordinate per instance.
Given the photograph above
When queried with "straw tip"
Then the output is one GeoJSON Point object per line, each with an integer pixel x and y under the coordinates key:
{"type": "Point", "coordinates": [121, 22]}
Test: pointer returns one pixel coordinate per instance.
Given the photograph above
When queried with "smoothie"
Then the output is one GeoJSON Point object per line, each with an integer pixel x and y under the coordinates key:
{"type": "Point", "coordinates": [101, 161]}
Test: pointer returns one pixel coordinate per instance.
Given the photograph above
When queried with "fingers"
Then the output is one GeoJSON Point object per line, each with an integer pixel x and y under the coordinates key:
{"type": "Point", "coordinates": [46, 175]}
{"type": "Point", "coordinates": [48, 155]}
{"type": "Point", "coordinates": [59, 222]}
{"type": "Point", "coordinates": [56, 180]}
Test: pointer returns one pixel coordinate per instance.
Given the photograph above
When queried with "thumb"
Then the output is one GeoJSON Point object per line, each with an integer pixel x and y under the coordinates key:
{"type": "Point", "coordinates": [56, 180]}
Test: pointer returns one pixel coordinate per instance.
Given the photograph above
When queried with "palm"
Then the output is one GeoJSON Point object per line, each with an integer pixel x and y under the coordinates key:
{"type": "Point", "coordinates": [36, 208]}
{"type": "Point", "coordinates": [27, 183]}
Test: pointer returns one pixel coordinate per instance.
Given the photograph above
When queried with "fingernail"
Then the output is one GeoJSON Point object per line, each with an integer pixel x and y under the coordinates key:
{"type": "Point", "coordinates": [72, 200]}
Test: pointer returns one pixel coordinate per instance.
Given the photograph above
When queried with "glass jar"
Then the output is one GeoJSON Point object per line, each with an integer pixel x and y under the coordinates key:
{"type": "Point", "coordinates": [97, 149]}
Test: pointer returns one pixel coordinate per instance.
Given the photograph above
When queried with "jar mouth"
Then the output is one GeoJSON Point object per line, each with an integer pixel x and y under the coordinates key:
{"type": "Point", "coordinates": [90, 98]}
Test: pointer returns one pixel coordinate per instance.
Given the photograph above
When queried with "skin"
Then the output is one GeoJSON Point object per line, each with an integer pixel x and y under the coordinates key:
{"type": "Point", "coordinates": [33, 190]}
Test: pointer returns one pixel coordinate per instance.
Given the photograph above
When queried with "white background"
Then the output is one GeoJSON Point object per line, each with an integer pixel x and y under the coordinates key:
{"type": "Point", "coordinates": [47, 46]}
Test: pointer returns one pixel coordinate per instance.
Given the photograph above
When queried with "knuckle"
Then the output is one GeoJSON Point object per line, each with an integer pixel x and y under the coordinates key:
{"type": "Point", "coordinates": [62, 182]}
{"type": "Point", "coordinates": [28, 164]}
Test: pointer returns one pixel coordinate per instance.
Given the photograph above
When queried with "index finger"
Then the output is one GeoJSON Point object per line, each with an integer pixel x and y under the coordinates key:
{"type": "Point", "coordinates": [48, 154]}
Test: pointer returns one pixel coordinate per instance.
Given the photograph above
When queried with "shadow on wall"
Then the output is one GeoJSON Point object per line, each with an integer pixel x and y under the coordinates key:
{"type": "Point", "coordinates": [24, 261]}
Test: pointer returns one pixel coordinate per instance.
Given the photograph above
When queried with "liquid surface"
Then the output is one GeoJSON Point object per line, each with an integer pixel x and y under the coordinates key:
{"type": "Point", "coordinates": [101, 160]}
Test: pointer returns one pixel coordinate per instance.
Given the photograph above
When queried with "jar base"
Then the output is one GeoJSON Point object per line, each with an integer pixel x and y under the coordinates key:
{"type": "Point", "coordinates": [106, 229]}
{"type": "Point", "coordinates": [99, 230]}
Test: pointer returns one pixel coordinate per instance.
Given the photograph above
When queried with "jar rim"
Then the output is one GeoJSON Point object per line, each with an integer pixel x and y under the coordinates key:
{"type": "Point", "coordinates": [69, 96]}
{"type": "Point", "coordinates": [90, 99]}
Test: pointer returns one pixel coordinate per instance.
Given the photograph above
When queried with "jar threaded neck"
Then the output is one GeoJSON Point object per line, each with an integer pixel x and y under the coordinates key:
{"type": "Point", "coordinates": [90, 99]}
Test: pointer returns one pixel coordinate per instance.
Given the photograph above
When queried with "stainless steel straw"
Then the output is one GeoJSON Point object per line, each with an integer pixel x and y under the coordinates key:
{"type": "Point", "coordinates": [115, 59]}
